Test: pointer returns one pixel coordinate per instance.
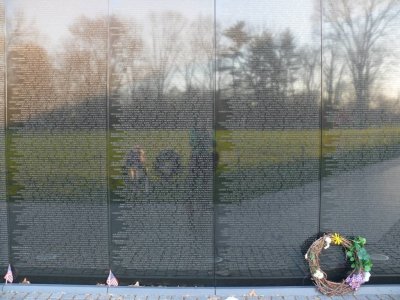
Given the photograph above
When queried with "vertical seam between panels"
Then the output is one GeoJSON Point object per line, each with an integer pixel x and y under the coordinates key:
{"type": "Point", "coordinates": [108, 135]}
{"type": "Point", "coordinates": [5, 133]}
{"type": "Point", "coordinates": [320, 122]}
{"type": "Point", "coordinates": [214, 189]}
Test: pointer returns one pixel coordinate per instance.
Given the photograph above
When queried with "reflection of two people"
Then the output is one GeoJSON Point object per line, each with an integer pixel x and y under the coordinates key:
{"type": "Point", "coordinates": [136, 171]}
{"type": "Point", "coordinates": [168, 168]}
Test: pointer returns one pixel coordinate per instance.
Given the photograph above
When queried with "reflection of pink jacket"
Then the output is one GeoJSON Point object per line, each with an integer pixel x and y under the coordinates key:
{"type": "Point", "coordinates": [136, 172]}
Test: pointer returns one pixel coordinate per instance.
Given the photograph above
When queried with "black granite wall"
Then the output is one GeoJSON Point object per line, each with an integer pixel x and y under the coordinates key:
{"type": "Point", "coordinates": [197, 142]}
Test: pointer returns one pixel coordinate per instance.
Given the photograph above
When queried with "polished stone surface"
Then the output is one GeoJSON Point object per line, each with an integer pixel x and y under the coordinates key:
{"type": "Point", "coordinates": [196, 142]}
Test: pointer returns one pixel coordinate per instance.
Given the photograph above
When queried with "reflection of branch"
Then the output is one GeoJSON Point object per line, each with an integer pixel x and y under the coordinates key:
{"type": "Point", "coordinates": [84, 59]}
{"type": "Point", "coordinates": [165, 48]}
{"type": "Point", "coordinates": [359, 27]}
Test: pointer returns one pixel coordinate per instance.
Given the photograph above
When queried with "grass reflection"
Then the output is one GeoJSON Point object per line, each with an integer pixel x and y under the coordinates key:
{"type": "Point", "coordinates": [73, 164]}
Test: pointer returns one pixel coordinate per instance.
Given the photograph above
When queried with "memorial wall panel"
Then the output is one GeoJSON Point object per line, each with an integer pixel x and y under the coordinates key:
{"type": "Point", "coordinates": [361, 127]}
{"type": "Point", "coordinates": [56, 151]}
{"type": "Point", "coordinates": [268, 138]}
{"type": "Point", "coordinates": [161, 140]}
{"type": "Point", "coordinates": [3, 206]}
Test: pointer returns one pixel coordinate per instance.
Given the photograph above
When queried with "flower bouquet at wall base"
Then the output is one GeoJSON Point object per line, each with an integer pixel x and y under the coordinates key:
{"type": "Point", "coordinates": [356, 254]}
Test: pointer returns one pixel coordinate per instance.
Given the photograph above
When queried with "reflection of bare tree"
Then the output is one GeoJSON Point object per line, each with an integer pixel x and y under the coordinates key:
{"type": "Point", "coordinates": [45, 82]}
{"type": "Point", "coordinates": [359, 27]}
{"type": "Point", "coordinates": [188, 68]}
{"type": "Point", "coordinates": [309, 68]}
{"type": "Point", "coordinates": [166, 44]}
{"type": "Point", "coordinates": [333, 73]}
{"type": "Point", "coordinates": [30, 72]}
{"type": "Point", "coordinates": [83, 63]}
{"type": "Point", "coordinates": [198, 59]}
{"type": "Point", "coordinates": [30, 80]}
{"type": "Point", "coordinates": [202, 46]}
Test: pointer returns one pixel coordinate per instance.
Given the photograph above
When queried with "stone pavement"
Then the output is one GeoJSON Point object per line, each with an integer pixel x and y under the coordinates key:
{"type": "Point", "coordinates": [57, 292]}
{"type": "Point", "coordinates": [67, 296]}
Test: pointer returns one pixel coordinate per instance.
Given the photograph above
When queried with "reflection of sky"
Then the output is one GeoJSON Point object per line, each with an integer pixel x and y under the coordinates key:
{"type": "Point", "coordinates": [274, 15]}
{"type": "Point", "coordinates": [53, 17]}
{"type": "Point", "coordinates": [139, 9]}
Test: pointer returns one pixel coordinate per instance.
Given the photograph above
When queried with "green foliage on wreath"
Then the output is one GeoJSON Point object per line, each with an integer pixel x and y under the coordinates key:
{"type": "Point", "coordinates": [357, 250]}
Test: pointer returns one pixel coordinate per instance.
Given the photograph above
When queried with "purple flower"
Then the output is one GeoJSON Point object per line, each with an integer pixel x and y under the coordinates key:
{"type": "Point", "coordinates": [355, 281]}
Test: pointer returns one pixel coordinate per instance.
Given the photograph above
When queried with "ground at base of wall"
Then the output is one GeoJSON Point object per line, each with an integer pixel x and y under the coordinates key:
{"type": "Point", "coordinates": [68, 292]}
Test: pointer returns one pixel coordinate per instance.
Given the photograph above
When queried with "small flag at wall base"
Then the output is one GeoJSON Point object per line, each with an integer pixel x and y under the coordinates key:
{"type": "Point", "coordinates": [9, 275]}
{"type": "Point", "coordinates": [111, 280]}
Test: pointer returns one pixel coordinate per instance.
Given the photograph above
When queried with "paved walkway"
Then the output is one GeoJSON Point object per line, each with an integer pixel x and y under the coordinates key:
{"type": "Point", "coordinates": [59, 292]}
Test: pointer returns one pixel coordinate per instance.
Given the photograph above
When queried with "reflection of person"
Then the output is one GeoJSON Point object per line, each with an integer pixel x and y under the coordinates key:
{"type": "Point", "coordinates": [136, 171]}
{"type": "Point", "coordinates": [200, 175]}
{"type": "Point", "coordinates": [200, 162]}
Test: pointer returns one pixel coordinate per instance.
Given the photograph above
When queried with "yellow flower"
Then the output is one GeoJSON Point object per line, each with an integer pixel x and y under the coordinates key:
{"type": "Point", "coordinates": [337, 239]}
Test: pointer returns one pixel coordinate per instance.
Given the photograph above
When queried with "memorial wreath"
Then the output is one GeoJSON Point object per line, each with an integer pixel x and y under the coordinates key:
{"type": "Point", "coordinates": [168, 164]}
{"type": "Point", "coordinates": [355, 252]}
